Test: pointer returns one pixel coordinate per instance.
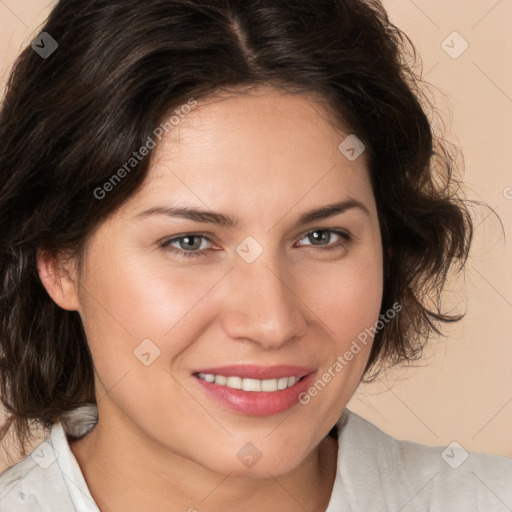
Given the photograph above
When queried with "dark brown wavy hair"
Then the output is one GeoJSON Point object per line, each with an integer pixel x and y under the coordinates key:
{"type": "Point", "coordinates": [70, 120]}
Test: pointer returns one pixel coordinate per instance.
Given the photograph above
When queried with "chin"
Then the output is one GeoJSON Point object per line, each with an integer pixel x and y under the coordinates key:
{"type": "Point", "coordinates": [249, 462]}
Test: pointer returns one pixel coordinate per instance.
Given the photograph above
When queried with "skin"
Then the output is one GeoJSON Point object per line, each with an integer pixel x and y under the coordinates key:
{"type": "Point", "coordinates": [161, 443]}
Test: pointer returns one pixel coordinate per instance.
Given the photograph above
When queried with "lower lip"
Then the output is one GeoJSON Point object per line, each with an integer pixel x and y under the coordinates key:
{"type": "Point", "coordinates": [257, 403]}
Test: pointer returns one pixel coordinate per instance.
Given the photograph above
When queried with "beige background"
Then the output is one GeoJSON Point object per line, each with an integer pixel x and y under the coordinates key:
{"type": "Point", "coordinates": [463, 391]}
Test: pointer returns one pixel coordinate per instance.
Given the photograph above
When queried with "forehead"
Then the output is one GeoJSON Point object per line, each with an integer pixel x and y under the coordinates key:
{"type": "Point", "coordinates": [253, 152]}
{"type": "Point", "coordinates": [263, 124]}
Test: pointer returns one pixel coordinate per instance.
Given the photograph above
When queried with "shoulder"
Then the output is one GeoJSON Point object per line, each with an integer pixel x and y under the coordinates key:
{"type": "Point", "coordinates": [412, 476]}
{"type": "Point", "coordinates": [35, 483]}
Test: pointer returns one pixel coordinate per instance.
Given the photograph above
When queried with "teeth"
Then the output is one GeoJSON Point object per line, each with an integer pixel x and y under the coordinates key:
{"type": "Point", "coordinates": [234, 382]}
{"type": "Point", "coordinates": [220, 380]}
{"type": "Point", "coordinates": [282, 383]}
{"type": "Point", "coordinates": [251, 385]}
{"type": "Point", "coordinates": [268, 385]}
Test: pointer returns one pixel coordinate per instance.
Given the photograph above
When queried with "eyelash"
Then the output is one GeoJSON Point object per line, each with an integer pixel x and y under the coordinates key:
{"type": "Point", "coordinates": [344, 240]}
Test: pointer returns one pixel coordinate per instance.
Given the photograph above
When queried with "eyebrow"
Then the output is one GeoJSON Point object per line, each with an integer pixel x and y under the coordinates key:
{"type": "Point", "coordinates": [220, 219]}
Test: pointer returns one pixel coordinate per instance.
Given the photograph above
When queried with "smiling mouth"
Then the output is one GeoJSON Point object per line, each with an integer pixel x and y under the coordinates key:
{"type": "Point", "coordinates": [254, 390]}
{"type": "Point", "coordinates": [254, 385]}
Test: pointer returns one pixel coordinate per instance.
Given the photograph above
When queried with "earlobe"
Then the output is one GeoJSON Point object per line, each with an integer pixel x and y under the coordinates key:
{"type": "Point", "coordinates": [58, 280]}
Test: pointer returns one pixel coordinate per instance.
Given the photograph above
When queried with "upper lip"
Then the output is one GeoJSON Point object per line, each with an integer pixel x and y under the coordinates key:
{"type": "Point", "coordinates": [258, 372]}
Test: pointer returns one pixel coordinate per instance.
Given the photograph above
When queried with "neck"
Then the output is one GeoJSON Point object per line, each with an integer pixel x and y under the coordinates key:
{"type": "Point", "coordinates": [124, 472]}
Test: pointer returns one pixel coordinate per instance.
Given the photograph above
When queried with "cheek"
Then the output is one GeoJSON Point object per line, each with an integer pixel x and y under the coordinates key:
{"type": "Point", "coordinates": [347, 297]}
{"type": "Point", "coordinates": [144, 299]}
{"type": "Point", "coordinates": [347, 302]}
{"type": "Point", "coordinates": [129, 301]}
{"type": "Point", "coordinates": [137, 321]}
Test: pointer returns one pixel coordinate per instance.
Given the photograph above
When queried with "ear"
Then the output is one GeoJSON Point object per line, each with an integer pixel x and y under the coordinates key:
{"type": "Point", "coordinates": [59, 277]}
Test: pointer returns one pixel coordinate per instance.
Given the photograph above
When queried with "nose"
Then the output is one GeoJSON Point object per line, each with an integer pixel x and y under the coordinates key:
{"type": "Point", "coordinates": [262, 305]}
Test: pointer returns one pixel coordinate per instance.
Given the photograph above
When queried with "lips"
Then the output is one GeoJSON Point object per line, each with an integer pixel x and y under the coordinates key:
{"type": "Point", "coordinates": [243, 394]}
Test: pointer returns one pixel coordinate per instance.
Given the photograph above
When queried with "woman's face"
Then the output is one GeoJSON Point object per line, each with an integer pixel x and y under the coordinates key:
{"type": "Point", "coordinates": [263, 298]}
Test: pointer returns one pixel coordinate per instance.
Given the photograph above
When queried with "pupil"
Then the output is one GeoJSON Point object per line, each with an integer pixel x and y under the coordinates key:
{"type": "Point", "coordinates": [189, 241]}
{"type": "Point", "coordinates": [319, 238]}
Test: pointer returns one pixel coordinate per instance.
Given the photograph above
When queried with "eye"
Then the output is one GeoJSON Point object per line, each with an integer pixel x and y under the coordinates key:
{"type": "Point", "coordinates": [322, 237]}
{"type": "Point", "coordinates": [188, 245]}
{"type": "Point", "coordinates": [191, 244]}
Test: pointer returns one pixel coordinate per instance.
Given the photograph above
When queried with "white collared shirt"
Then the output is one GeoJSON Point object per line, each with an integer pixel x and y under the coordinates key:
{"type": "Point", "coordinates": [375, 473]}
